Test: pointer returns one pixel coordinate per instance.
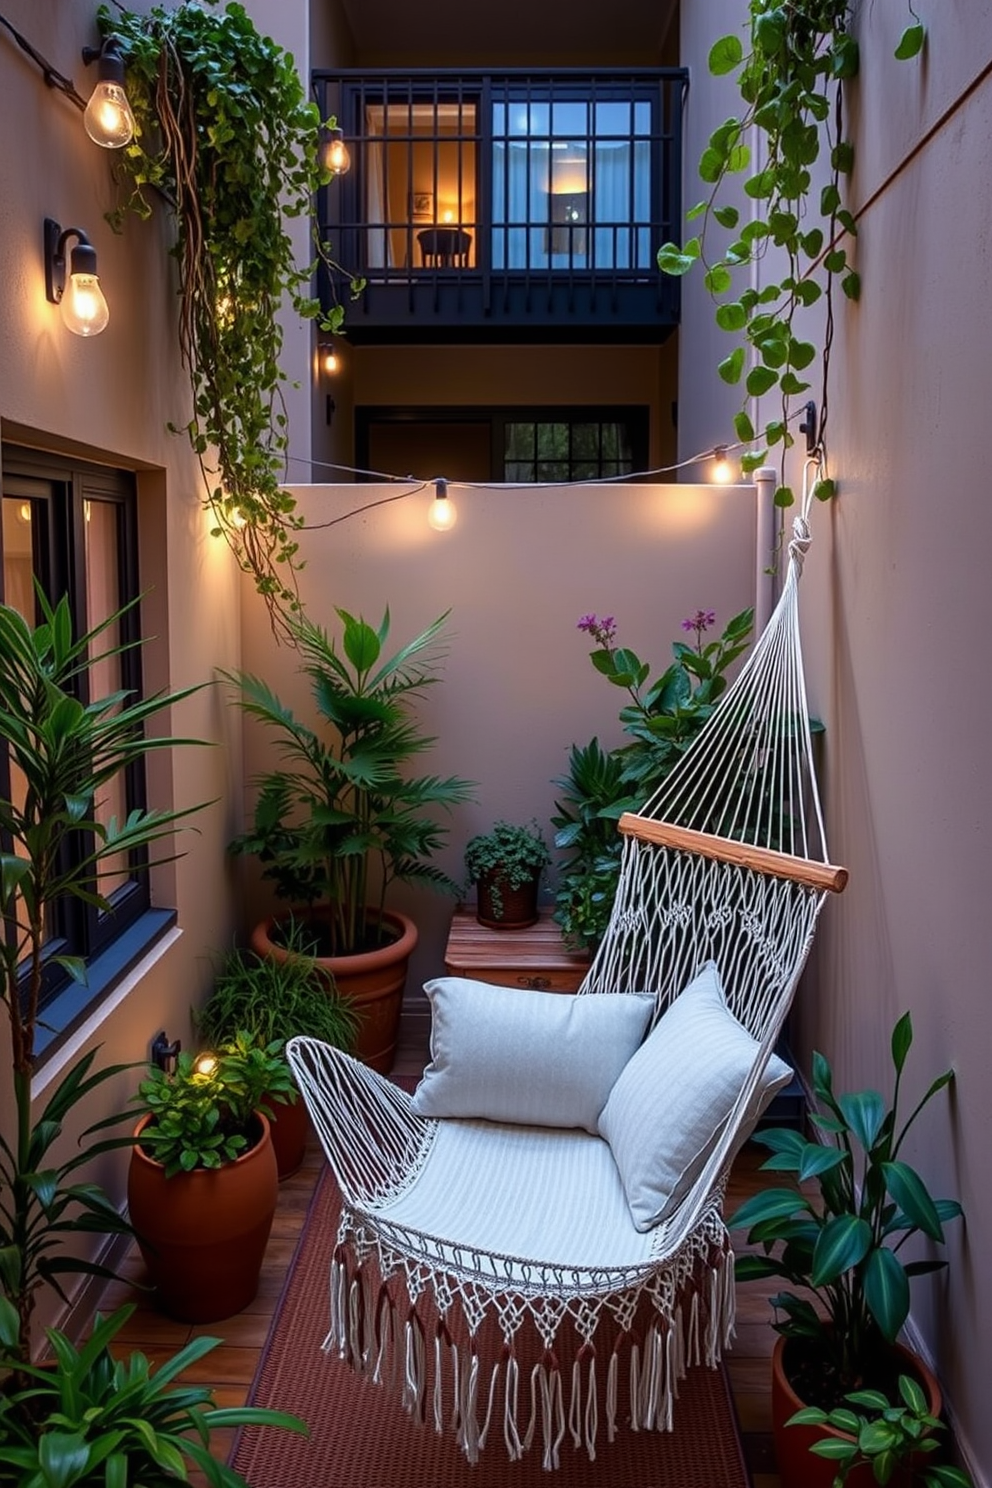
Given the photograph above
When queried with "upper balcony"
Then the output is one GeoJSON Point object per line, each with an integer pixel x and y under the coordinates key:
{"type": "Point", "coordinates": [515, 205]}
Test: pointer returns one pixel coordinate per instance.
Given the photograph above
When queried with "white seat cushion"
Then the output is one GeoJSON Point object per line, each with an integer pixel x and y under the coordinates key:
{"type": "Point", "coordinates": [668, 1107]}
{"type": "Point", "coordinates": [553, 1197]}
{"type": "Point", "coordinates": [532, 1058]}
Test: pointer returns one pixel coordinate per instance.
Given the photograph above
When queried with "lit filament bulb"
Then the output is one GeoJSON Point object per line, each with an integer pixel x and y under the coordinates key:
{"type": "Point", "coordinates": [722, 473]}
{"type": "Point", "coordinates": [108, 119]}
{"type": "Point", "coordinates": [337, 158]}
{"type": "Point", "coordinates": [442, 515]}
{"type": "Point", "coordinates": [206, 1064]}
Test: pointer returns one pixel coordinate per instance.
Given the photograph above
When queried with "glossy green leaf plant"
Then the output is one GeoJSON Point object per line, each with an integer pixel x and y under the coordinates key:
{"type": "Point", "coordinates": [791, 76]}
{"type": "Point", "coordinates": [228, 139]}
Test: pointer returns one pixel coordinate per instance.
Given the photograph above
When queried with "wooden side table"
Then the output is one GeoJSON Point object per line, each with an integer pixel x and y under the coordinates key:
{"type": "Point", "coordinates": [534, 958]}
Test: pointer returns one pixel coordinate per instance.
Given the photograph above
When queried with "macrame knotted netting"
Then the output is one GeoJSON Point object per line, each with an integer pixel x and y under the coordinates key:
{"type": "Point", "coordinates": [491, 1273]}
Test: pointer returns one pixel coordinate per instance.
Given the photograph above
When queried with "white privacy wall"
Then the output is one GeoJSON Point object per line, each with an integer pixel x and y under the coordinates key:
{"type": "Point", "coordinates": [517, 572]}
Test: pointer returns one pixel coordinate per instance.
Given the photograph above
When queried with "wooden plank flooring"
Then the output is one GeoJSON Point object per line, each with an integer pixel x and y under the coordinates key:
{"type": "Point", "coordinates": [230, 1368]}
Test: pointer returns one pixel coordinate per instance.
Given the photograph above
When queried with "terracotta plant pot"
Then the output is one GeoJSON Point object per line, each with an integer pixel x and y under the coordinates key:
{"type": "Point", "coordinates": [289, 1127]}
{"type": "Point", "coordinates": [203, 1234]}
{"type": "Point", "coordinates": [373, 980]}
{"type": "Point", "coordinates": [501, 907]}
{"type": "Point", "coordinates": [798, 1467]}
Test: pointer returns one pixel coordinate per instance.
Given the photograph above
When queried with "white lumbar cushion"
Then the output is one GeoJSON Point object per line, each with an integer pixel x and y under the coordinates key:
{"type": "Point", "coordinates": [669, 1105]}
{"type": "Point", "coordinates": [531, 1058]}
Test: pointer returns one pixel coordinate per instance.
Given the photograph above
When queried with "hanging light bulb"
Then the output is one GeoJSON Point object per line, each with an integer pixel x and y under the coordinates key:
{"type": "Point", "coordinates": [79, 298]}
{"type": "Point", "coordinates": [442, 515]}
{"type": "Point", "coordinates": [722, 472]}
{"type": "Point", "coordinates": [337, 157]}
{"type": "Point", "coordinates": [108, 119]}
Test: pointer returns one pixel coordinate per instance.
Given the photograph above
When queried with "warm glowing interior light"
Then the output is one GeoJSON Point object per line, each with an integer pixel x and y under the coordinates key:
{"type": "Point", "coordinates": [722, 471]}
{"type": "Point", "coordinates": [329, 363]}
{"type": "Point", "coordinates": [206, 1064]}
{"type": "Point", "coordinates": [337, 157]}
{"type": "Point", "coordinates": [88, 511]}
{"type": "Point", "coordinates": [24, 511]}
{"type": "Point", "coordinates": [83, 306]}
{"type": "Point", "coordinates": [449, 215]}
{"type": "Point", "coordinates": [108, 119]}
{"type": "Point", "coordinates": [442, 515]}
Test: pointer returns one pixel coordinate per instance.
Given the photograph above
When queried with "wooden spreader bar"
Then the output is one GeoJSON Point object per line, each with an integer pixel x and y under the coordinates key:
{"type": "Point", "coordinates": [726, 850]}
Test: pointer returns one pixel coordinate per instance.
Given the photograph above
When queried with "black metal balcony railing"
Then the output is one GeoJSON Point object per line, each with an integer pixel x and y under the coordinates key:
{"type": "Point", "coordinates": [531, 204]}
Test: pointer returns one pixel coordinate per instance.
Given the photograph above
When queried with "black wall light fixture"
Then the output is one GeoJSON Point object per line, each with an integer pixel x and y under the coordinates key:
{"type": "Point", "coordinates": [78, 294]}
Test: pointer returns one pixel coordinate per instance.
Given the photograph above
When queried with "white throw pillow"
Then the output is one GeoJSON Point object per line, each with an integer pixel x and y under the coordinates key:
{"type": "Point", "coordinates": [531, 1058]}
{"type": "Point", "coordinates": [667, 1109]}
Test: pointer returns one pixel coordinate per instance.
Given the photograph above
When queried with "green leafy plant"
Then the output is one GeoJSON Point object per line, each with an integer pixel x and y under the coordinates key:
{"type": "Point", "coordinates": [889, 1438]}
{"type": "Point", "coordinates": [227, 137]}
{"type": "Point", "coordinates": [342, 804]}
{"type": "Point", "coordinates": [791, 76]}
{"type": "Point", "coordinates": [510, 856]}
{"type": "Point", "coordinates": [270, 1000]}
{"type": "Point", "coordinates": [64, 749]}
{"type": "Point", "coordinates": [204, 1113]}
{"type": "Point", "coordinates": [96, 1421]}
{"type": "Point", "coordinates": [843, 1250]}
{"type": "Point", "coordinates": [661, 720]}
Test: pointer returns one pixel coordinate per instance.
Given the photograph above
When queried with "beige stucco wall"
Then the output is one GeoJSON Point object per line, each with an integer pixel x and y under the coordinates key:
{"type": "Point", "coordinates": [896, 607]}
{"type": "Point", "coordinates": [111, 398]}
{"type": "Point", "coordinates": [517, 571]}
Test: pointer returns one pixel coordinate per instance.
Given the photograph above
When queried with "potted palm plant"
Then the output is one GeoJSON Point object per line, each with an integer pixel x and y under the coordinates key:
{"type": "Point", "coordinates": [842, 1251]}
{"type": "Point", "coordinates": [506, 864]}
{"type": "Point", "coordinates": [63, 751]}
{"type": "Point", "coordinates": [341, 820]}
{"type": "Point", "coordinates": [271, 1002]}
{"type": "Point", "coordinates": [203, 1182]}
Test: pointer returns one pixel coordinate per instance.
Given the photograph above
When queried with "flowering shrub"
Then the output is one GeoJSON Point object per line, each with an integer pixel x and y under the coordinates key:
{"type": "Point", "coordinates": [661, 720]}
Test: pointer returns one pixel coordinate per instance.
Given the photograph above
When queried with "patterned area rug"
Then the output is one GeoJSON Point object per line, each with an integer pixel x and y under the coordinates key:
{"type": "Point", "coordinates": [361, 1437]}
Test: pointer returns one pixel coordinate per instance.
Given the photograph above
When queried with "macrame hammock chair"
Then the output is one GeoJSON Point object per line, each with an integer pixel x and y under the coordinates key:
{"type": "Point", "coordinates": [492, 1273]}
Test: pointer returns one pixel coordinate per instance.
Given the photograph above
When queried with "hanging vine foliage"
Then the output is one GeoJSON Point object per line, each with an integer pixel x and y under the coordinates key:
{"type": "Point", "coordinates": [226, 135]}
{"type": "Point", "coordinates": [791, 82]}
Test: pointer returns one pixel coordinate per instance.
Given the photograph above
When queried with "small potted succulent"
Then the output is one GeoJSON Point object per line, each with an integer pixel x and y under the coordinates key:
{"type": "Point", "coordinates": [203, 1180]}
{"type": "Point", "coordinates": [843, 1252]}
{"type": "Point", "coordinates": [271, 1002]}
{"type": "Point", "coordinates": [506, 864]}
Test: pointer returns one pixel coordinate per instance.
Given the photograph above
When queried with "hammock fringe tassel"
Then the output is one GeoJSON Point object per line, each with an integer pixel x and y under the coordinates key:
{"type": "Point", "coordinates": [445, 1381]}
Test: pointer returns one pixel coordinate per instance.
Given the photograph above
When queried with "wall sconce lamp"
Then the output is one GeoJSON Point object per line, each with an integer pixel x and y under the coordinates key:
{"type": "Point", "coordinates": [442, 515]}
{"type": "Point", "coordinates": [328, 359]}
{"type": "Point", "coordinates": [81, 302]}
{"type": "Point", "coordinates": [108, 119]}
{"type": "Point", "coordinates": [337, 157]}
{"type": "Point", "coordinates": [808, 427]}
{"type": "Point", "coordinates": [164, 1054]}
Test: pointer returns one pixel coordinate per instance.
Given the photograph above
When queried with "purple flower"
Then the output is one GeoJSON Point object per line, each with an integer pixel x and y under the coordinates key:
{"type": "Point", "coordinates": [588, 622]}
{"type": "Point", "coordinates": [699, 622]}
{"type": "Point", "coordinates": [602, 631]}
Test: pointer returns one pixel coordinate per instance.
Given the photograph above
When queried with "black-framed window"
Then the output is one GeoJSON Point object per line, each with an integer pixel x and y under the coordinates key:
{"type": "Point", "coordinates": [505, 444]}
{"type": "Point", "coordinates": [72, 527]}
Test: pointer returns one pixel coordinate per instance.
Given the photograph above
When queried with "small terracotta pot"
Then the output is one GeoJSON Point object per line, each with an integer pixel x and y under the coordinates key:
{"type": "Point", "coordinates": [798, 1467]}
{"type": "Point", "coordinates": [501, 907]}
{"type": "Point", "coordinates": [203, 1234]}
{"type": "Point", "coordinates": [373, 980]}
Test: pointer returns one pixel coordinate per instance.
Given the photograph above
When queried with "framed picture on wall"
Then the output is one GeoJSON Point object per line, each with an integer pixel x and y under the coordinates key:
{"type": "Point", "coordinates": [420, 205]}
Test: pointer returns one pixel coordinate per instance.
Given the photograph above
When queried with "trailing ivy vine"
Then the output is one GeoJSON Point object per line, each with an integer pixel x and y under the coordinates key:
{"type": "Point", "coordinates": [791, 82]}
{"type": "Point", "coordinates": [226, 135]}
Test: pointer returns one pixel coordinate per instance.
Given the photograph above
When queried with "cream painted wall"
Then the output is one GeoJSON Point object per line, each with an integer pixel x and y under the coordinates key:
{"type": "Point", "coordinates": [897, 618]}
{"type": "Point", "coordinates": [518, 570]}
{"type": "Point", "coordinates": [111, 398]}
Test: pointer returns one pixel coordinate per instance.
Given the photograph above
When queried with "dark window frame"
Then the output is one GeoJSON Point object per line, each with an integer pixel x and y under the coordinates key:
{"type": "Point", "coordinates": [637, 417]}
{"type": "Point", "coordinates": [58, 488]}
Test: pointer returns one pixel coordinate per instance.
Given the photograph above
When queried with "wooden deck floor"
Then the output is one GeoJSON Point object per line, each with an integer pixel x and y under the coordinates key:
{"type": "Point", "coordinates": [230, 1367]}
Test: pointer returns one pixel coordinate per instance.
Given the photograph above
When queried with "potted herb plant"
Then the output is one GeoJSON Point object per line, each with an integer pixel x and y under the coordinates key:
{"type": "Point", "coordinates": [842, 1251]}
{"type": "Point", "coordinates": [64, 748]}
{"type": "Point", "coordinates": [341, 820]}
{"type": "Point", "coordinates": [270, 1002]}
{"type": "Point", "coordinates": [203, 1182]}
{"type": "Point", "coordinates": [92, 1419]}
{"type": "Point", "coordinates": [506, 864]}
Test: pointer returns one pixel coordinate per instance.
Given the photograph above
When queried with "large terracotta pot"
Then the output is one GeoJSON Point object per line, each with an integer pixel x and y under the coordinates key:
{"type": "Point", "coordinates": [373, 980]}
{"type": "Point", "coordinates": [203, 1234]}
{"type": "Point", "coordinates": [509, 908]}
{"type": "Point", "coordinates": [289, 1127]}
{"type": "Point", "coordinates": [798, 1467]}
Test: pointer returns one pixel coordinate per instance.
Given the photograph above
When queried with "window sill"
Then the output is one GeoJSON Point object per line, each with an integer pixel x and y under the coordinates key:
{"type": "Point", "coordinates": [78, 1009]}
